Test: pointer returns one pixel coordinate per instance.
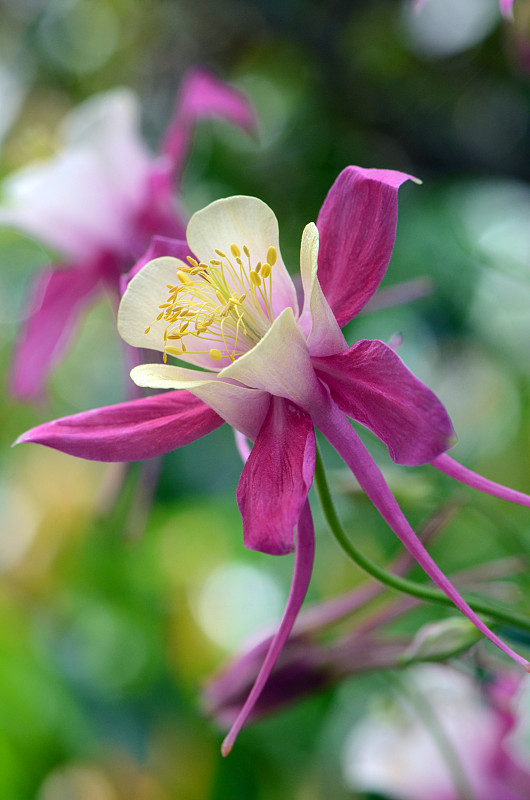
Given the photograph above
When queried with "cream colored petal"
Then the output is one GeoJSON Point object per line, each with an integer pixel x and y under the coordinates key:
{"type": "Point", "coordinates": [242, 221]}
{"type": "Point", "coordinates": [243, 408]}
{"type": "Point", "coordinates": [317, 320]}
{"type": "Point", "coordinates": [279, 364]}
{"type": "Point", "coordinates": [139, 305]}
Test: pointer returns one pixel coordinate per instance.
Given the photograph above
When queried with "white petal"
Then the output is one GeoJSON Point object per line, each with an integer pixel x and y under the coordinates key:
{"type": "Point", "coordinates": [108, 126]}
{"type": "Point", "coordinates": [139, 305]}
{"type": "Point", "coordinates": [139, 309]}
{"type": "Point", "coordinates": [84, 198]}
{"type": "Point", "coordinates": [317, 320]}
{"type": "Point", "coordinates": [243, 408]}
{"type": "Point", "coordinates": [279, 364]}
{"type": "Point", "coordinates": [242, 221]}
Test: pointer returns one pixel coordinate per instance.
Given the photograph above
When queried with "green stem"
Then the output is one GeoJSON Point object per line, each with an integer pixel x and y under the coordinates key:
{"type": "Point", "coordinates": [388, 578]}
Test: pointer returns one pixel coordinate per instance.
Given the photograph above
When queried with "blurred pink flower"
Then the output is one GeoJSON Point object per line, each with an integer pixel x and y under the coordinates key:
{"type": "Point", "coordinates": [275, 371]}
{"type": "Point", "coordinates": [98, 202]}
{"type": "Point", "coordinates": [443, 737]}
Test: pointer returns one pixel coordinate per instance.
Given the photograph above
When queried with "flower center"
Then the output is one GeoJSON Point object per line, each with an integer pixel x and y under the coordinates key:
{"type": "Point", "coordinates": [226, 303]}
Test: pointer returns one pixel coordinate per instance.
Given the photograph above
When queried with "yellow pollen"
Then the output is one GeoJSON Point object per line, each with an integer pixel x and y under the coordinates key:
{"type": "Point", "coordinates": [215, 354]}
{"type": "Point", "coordinates": [220, 253]}
{"type": "Point", "coordinates": [234, 249]}
{"type": "Point", "coordinates": [173, 351]}
{"type": "Point", "coordinates": [192, 261]}
{"type": "Point", "coordinates": [272, 255]}
{"type": "Point", "coordinates": [255, 278]}
{"type": "Point", "coordinates": [265, 270]}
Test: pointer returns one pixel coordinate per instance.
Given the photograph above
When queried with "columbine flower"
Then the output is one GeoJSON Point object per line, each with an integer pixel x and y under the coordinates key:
{"type": "Point", "coordinates": [275, 371]}
{"type": "Point", "coordinates": [443, 737]}
{"type": "Point", "coordinates": [97, 203]}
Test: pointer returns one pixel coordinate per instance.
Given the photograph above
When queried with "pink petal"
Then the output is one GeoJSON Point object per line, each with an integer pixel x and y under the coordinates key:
{"type": "Point", "coordinates": [371, 384]}
{"type": "Point", "coordinates": [201, 96]}
{"type": "Point", "coordinates": [303, 566]}
{"type": "Point", "coordinates": [276, 478]}
{"type": "Point", "coordinates": [460, 473]}
{"type": "Point", "coordinates": [346, 441]}
{"type": "Point", "coordinates": [159, 246]}
{"type": "Point", "coordinates": [55, 305]}
{"type": "Point", "coordinates": [506, 7]}
{"type": "Point", "coordinates": [129, 431]}
{"type": "Point", "coordinates": [357, 226]}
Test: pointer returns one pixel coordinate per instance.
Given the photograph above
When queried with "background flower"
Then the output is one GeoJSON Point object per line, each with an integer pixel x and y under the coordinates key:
{"type": "Point", "coordinates": [98, 202]}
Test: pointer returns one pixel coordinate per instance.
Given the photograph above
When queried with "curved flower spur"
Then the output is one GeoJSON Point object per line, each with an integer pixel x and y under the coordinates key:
{"type": "Point", "coordinates": [275, 371]}
{"type": "Point", "coordinates": [98, 202]}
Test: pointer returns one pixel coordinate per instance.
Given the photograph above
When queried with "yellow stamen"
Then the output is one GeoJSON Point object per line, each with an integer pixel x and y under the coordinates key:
{"type": "Point", "coordinates": [226, 302]}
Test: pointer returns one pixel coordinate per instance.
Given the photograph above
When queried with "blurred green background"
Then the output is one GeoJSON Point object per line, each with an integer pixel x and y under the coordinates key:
{"type": "Point", "coordinates": [108, 631]}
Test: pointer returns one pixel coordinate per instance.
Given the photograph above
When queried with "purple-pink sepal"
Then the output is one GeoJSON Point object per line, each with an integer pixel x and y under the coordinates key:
{"type": "Point", "coordinates": [130, 431]}
{"type": "Point", "coordinates": [357, 227]}
{"type": "Point", "coordinates": [371, 384]}
{"type": "Point", "coordinates": [276, 478]}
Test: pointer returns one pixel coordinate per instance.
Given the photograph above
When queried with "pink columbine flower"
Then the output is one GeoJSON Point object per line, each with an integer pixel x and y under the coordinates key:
{"type": "Point", "coordinates": [506, 6]}
{"type": "Point", "coordinates": [275, 371]}
{"type": "Point", "coordinates": [444, 737]}
{"type": "Point", "coordinates": [98, 202]}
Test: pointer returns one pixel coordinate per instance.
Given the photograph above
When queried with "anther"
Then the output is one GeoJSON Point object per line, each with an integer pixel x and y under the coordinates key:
{"type": "Point", "coordinates": [220, 253]}
{"type": "Point", "coordinates": [192, 261]}
{"type": "Point", "coordinates": [215, 354]}
{"type": "Point", "coordinates": [234, 249]}
{"type": "Point", "coordinates": [173, 351]}
{"type": "Point", "coordinates": [265, 270]}
{"type": "Point", "coordinates": [255, 278]}
{"type": "Point", "coordinates": [246, 251]}
{"type": "Point", "coordinates": [272, 255]}
{"type": "Point", "coordinates": [183, 277]}
{"type": "Point", "coordinates": [258, 266]}
{"type": "Point", "coordinates": [220, 297]}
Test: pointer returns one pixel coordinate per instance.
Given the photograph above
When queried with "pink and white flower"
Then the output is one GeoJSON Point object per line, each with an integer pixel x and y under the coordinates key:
{"type": "Point", "coordinates": [443, 737]}
{"type": "Point", "coordinates": [275, 371]}
{"type": "Point", "coordinates": [98, 202]}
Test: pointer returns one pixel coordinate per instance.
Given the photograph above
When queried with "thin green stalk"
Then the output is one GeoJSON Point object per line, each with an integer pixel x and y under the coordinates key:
{"type": "Point", "coordinates": [426, 713]}
{"type": "Point", "coordinates": [388, 578]}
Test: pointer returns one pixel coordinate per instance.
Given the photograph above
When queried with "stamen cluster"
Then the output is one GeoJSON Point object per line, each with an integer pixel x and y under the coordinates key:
{"type": "Point", "coordinates": [227, 302]}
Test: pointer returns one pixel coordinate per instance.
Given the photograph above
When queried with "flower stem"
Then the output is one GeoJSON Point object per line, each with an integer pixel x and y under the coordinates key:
{"type": "Point", "coordinates": [390, 579]}
{"type": "Point", "coordinates": [422, 708]}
